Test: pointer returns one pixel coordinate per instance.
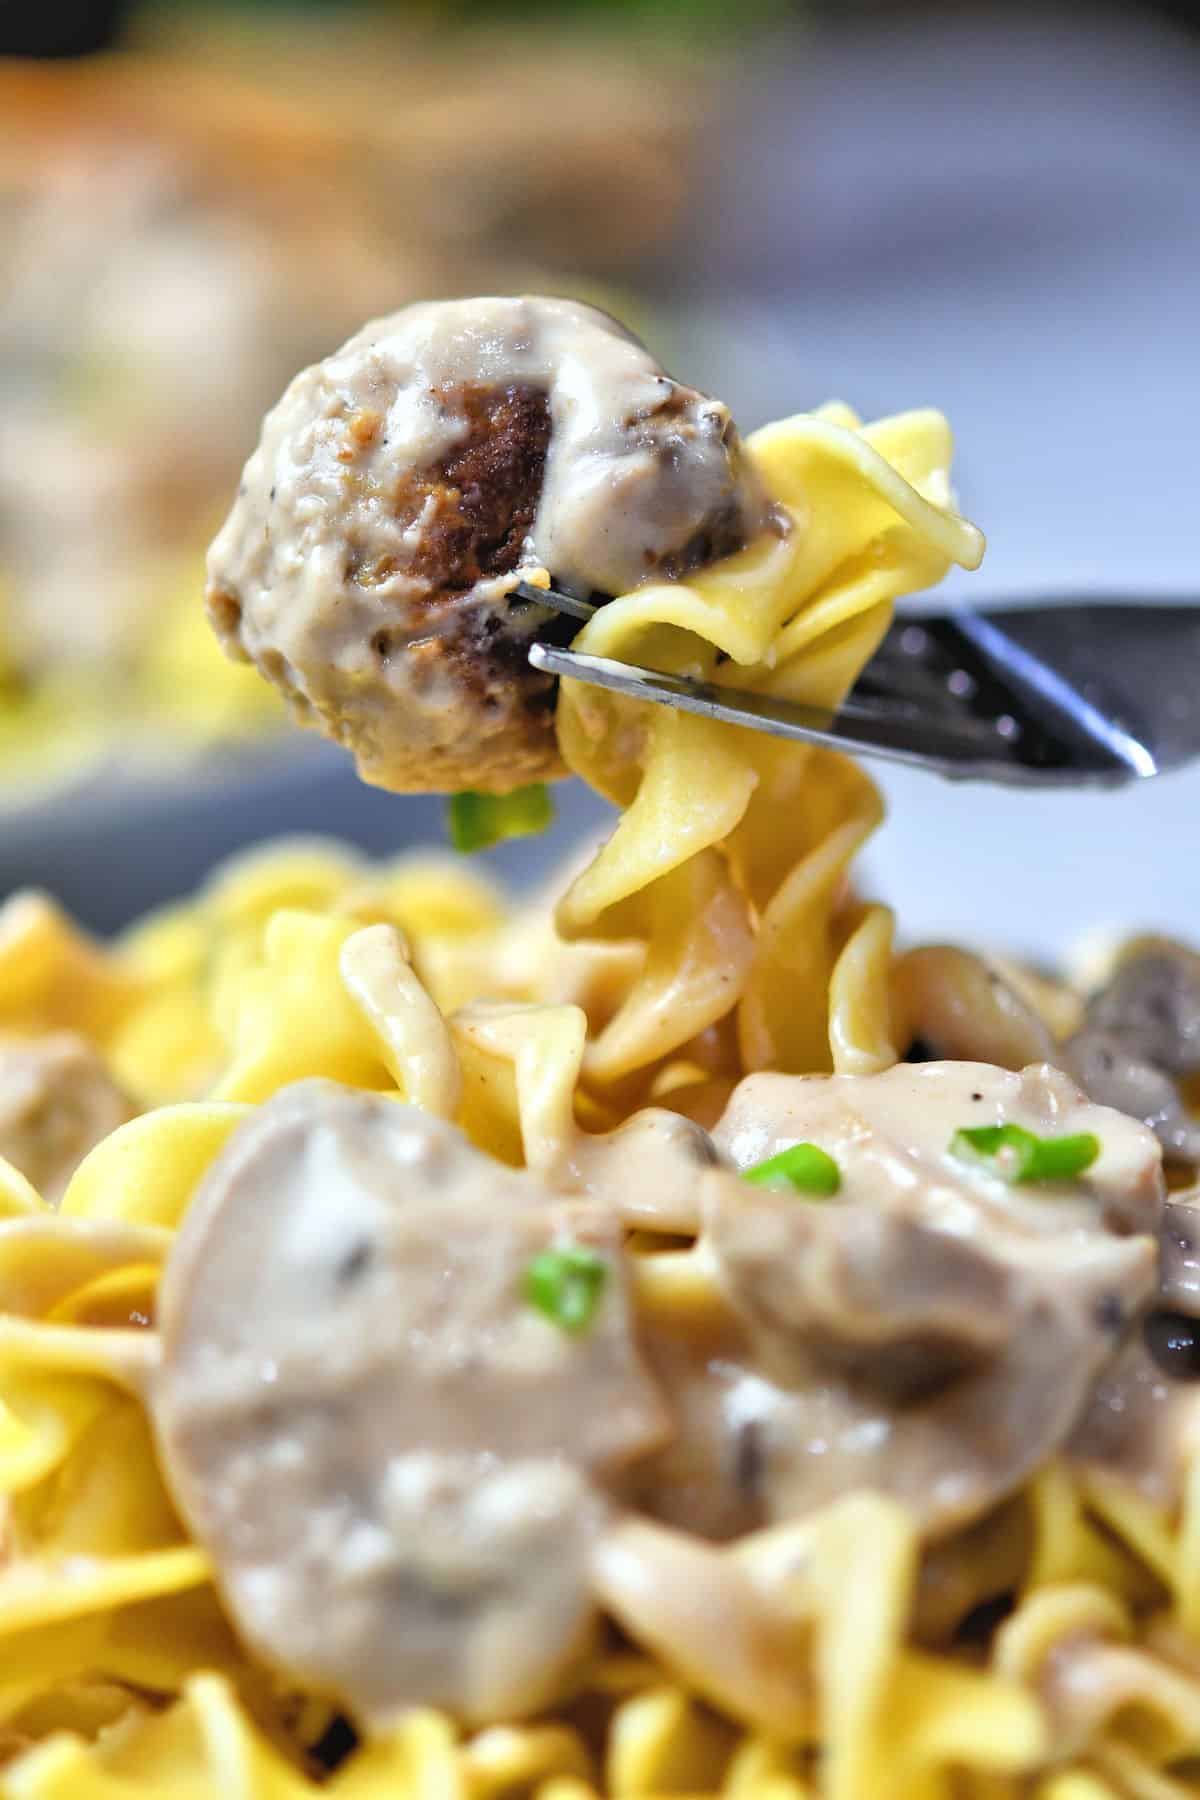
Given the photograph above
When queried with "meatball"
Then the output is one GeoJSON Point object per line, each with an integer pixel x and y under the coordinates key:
{"type": "Point", "coordinates": [404, 486]}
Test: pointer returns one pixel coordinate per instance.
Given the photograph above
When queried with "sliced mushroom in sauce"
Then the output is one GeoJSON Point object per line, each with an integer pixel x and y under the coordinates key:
{"type": "Point", "coordinates": [1152, 1002]}
{"type": "Point", "coordinates": [902, 1358]}
{"type": "Point", "coordinates": [397, 1463]}
{"type": "Point", "coordinates": [1141, 1037]}
{"type": "Point", "coordinates": [1180, 1283]}
{"type": "Point", "coordinates": [1114, 1076]}
{"type": "Point", "coordinates": [1142, 1421]}
{"type": "Point", "coordinates": [891, 1136]}
{"type": "Point", "coordinates": [897, 1337]}
{"type": "Point", "coordinates": [648, 1169]}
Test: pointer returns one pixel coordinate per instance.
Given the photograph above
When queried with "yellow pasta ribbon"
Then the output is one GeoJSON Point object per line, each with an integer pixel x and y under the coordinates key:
{"type": "Point", "coordinates": [866, 518]}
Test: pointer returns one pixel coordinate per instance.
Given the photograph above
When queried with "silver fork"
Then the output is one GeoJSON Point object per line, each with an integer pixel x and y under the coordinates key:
{"type": "Point", "coordinates": [1093, 692]}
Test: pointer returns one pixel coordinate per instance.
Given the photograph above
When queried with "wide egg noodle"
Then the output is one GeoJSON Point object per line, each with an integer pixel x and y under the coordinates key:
{"type": "Point", "coordinates": [866, 519]}
{"type": "Point", "coordinates": [376, 970]}
{"type": "Point", "coordinates": [145, 1172]}
{"type": "Point", "coordinates": [520, 1066]}
{"type": "Point", "coordinates": [94, 1544]}
{"type": "Point", "coordinates": [783, 1014]}
{"type": "Point", "coordinates": [802, 1629]}
{"type": "Point", "coordinates": [291, 1014]}
{"type": "Point", "coordinates": [1069, 1544]}
{"type": "Point", "coordinates": [861, 1033]}
{"type": "Point", "coordinates": [826, 1660]}
{"type": "Point", "coordinates": [52, 975]}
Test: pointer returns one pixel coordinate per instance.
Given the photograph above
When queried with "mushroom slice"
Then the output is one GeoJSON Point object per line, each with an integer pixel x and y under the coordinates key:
{"type": "Point", "coordinates": [1180, 1284]}
{"type": "Point", "coordinates": [648, 1169]}
{"type": "Point", "coordinates": [897, 1334]}
{"type": "Point", "coordinates": [1118, 1076]}
{"type": "Point", "coordinates": [1152, 1002]}
{"type": "Point", "coordinates": [905, 1359]}
{"type": "Point", "coordinates": [881, 1299]}
{"type": "Point", "coordinates": [891, 1135]}
{"type": "Point", "coordinates": [1142, 1423]}
{"type": "Point", "coordinates": [393, 1455]}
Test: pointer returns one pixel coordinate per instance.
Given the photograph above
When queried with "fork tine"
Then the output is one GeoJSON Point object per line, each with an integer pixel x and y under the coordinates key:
{"type": "Point", "coordinates": [553, 601]}
{"type": "Point", "coordinates": [951, 747]}
{"type": "Point", "coordinates": [997, 712]}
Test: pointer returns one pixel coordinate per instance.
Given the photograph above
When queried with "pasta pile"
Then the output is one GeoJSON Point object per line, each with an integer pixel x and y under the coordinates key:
{"type": "Point", "coordinates": [714, 934]}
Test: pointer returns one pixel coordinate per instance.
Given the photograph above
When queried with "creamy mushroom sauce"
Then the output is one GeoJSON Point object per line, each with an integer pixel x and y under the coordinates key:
{"type": "Point", "coordinates": [1141, 1037]}
{"type": "Point", "coordinates": [1143, 1421]}
{"type": "Point", "coordinates": [401, 489]}
{"type": "Point", "coordinates": [648, 1169]}
{"type": "Point", "coordinates": [410, 1476]}
{"type": "Point", "coordinates": [868, 1340]}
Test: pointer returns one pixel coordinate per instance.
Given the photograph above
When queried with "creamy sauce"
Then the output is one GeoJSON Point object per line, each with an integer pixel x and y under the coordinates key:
{"type": "Point", "coordinates": [891, 1135]}
{"type": "Point", "coordinates": [648, 1170]}
{"type": "Point", "coordinates": [1141, 1038]}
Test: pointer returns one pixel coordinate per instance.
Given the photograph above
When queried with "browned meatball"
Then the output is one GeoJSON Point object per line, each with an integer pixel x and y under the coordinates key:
{"type": "Point", "coordinates": [404, 486]}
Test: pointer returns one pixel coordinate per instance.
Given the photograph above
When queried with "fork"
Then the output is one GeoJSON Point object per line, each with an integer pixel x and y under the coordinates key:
{"type": "Point", "coordinates": [1094, 692]}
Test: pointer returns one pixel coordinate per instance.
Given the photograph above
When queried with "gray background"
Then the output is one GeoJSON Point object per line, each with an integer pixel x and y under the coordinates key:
{"type": "Point", "coordinates": [1002, 220]}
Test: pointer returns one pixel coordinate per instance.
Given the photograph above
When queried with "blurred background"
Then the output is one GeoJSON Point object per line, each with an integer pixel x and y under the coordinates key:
{"type": "Point", "coordinates": [991, 210]}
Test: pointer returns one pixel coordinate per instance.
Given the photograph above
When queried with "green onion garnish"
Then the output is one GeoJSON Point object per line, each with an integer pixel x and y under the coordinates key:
{"type": "Point", "coordinates": [477, 821]}
{"type": "Point", "coordinates": [1017, 1155]}
{"type": "Point", "coordinates": [567, 1285]}
{"type": "Point", "coordinates": [805, 1168]}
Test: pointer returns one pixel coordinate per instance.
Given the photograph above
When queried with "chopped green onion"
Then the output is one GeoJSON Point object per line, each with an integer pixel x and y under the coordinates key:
{"type": "Point", "coordinates": [567, 1285]}
{"type": "Point", "coordinates": [1017, 1155]}
{"type": "Point", "coordinates": [477, 821]}
{"type": "Point", "coordinates": [805, 1168]}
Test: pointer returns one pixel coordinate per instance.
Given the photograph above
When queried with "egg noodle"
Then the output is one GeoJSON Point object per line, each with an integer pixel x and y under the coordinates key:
{"type": "Point", "coordinates": [714, 934]}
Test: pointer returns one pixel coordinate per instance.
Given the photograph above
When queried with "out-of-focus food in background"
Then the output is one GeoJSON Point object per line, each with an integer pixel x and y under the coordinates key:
{"type": "Point", "coordinates": [182, 227]}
